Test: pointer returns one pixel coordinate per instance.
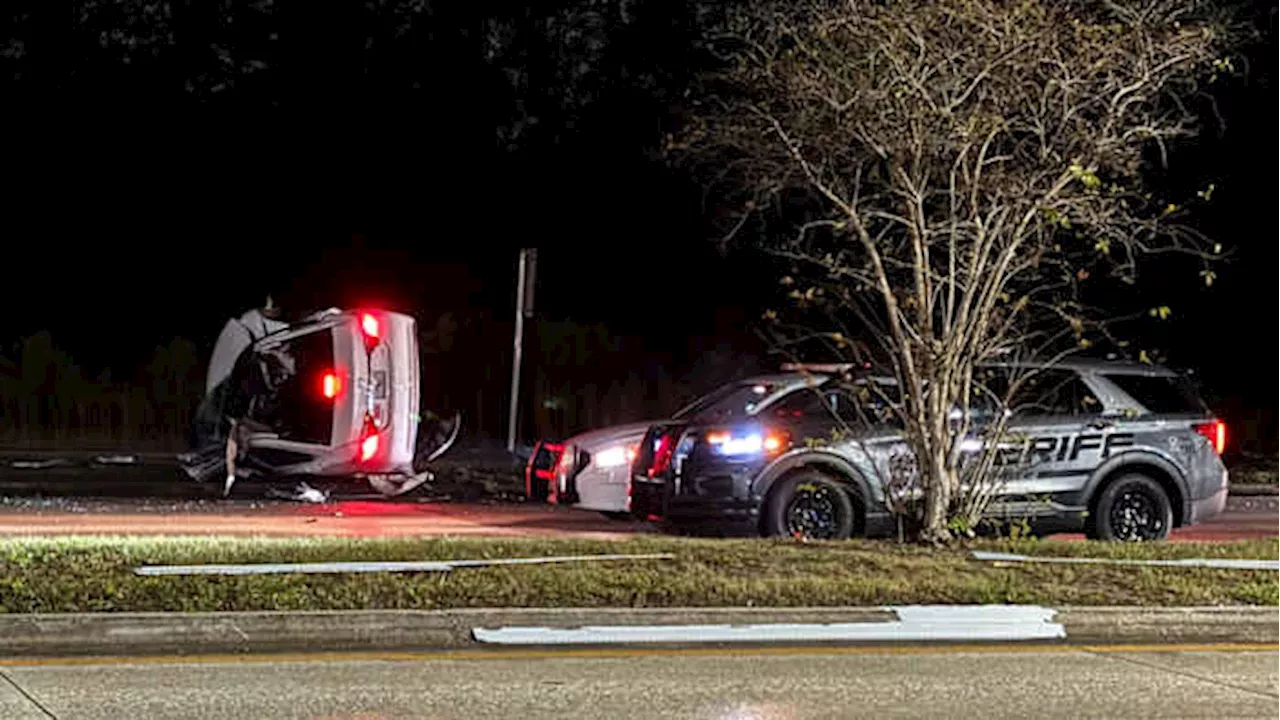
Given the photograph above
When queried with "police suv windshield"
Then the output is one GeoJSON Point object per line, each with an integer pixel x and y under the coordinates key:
{"type": "Point", "coordinates": [734, 400]}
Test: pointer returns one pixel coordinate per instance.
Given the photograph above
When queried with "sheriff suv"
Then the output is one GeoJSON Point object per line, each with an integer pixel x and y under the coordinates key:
{"type": "Point", "coordinates": [1122, 451]}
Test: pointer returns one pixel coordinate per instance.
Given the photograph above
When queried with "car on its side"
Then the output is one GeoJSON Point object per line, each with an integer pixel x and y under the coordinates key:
{"type": "Point", "coordinates": [334, 395]}
{"type": "Point", "coordinates": [591, 470]}
{"type": "Point", "coordinates": [1121, 451]}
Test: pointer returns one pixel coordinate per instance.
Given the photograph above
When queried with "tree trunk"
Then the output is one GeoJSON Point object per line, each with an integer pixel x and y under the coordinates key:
{"type": "Point", "coordinates": [940, 481]}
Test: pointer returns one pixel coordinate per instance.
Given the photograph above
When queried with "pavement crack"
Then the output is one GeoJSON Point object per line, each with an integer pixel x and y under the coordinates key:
{"type": "Point", "coordinates": [1183, 673]}
{"type": "Point", "coordinates": [30, 698]}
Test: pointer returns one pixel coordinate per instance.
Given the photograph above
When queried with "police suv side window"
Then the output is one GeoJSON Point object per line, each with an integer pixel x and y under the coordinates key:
{"type": "Point", "coordinates": [808, 404]}
{"type": "Point", "coordinates": [1161, 395]}
{"type": "Point", "coordinates": [1055, 392]}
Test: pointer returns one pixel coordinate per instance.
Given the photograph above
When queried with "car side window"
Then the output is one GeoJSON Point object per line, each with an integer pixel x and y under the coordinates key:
{"type": "Point", "coordinates": [807, 404]}
{"type": "Point", "coordinates": [1055, 392]}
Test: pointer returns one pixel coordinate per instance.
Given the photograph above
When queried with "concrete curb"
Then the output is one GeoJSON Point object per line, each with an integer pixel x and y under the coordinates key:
{"type": "Point", "coordinates": [89, 634]}
{"type": "Point", "coordinates": [1252, 490]}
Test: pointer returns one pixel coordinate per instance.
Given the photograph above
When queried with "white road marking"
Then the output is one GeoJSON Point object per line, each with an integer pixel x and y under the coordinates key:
{"type": "Point", "coordinates": [1220, 563]}
{"type": "Point", "coordinates": [915, 624]}
{"type": "Point", "coordinates": [368, 567]}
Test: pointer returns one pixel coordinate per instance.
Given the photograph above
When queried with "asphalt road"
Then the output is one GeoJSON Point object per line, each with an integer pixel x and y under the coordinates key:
{"type": "Point", "coordinates": [1256, 518]}
{"type": "Point", "coordinates": [773, 684]}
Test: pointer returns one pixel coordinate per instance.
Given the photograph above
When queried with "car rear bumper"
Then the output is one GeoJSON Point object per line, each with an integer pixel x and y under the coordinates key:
{"type": "Point", "coordinates": [1210, 507]}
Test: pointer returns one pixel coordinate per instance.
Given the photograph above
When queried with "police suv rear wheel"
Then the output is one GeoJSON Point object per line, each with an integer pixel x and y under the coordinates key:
{"type": "Point", "coordinates": [1132, 508]}
{"type": "Point", "coordinates": [809, 506]}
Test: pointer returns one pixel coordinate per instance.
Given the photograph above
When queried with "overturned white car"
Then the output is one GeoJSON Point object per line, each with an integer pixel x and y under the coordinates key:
{"type": "Point", "coordinates": [334, 395]}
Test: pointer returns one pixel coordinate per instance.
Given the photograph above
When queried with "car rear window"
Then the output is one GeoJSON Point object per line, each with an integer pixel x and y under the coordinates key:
{"type": "Point", "coordinates": [298, 409]}
{"type": "Point", "coordinates": [1162, 395]}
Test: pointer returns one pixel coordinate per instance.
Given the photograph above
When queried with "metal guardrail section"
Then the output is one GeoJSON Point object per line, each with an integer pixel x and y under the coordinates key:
{"type": "Point", "coordinates": [374, 567]}
{"type": "Point", "coordinates": [915, 623]}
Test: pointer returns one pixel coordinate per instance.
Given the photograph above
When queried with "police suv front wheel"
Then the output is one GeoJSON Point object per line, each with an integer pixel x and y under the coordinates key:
{"type": "Point", "coordinates": [809, 506]}
{"type": "Point", "coordinates": [1132, 508]}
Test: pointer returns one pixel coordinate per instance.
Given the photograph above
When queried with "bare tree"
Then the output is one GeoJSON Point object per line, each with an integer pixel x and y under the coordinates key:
{"type": "Point", "coordinates": [965, 174]}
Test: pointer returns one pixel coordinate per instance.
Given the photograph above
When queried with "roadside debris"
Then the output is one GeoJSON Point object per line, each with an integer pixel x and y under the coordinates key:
{"type": "Point", "coordinates": [1218, 563]}
{"type": "Point", "coordinates": [302, 493]}
{"type": "Point", "coordinates": [369, 567]}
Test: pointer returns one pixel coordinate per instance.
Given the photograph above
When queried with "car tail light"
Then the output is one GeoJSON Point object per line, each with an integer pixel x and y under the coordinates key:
{"type": "Point", "coordinates": [368, 448]}
{"type": "Point", "coordinates": [371, 328]}
{"type": "Point", "coordinates": [662, 456]}
{"type": "Point", "coordinates": [331, 385]}
{"type": "Point", "coordinates": [1216, 432]}
{"type": "Point", "coordinates": [369, 440]}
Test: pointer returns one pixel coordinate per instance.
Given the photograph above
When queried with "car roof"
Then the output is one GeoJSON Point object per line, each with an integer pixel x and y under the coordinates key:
{"type": "Point", "coordinates": [1092, 365]}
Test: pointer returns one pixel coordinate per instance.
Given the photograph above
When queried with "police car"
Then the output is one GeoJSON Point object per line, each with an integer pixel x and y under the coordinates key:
{"type": "Point", "coordinates": [1122, 451]}
{"type": "Point", "coordinates": [592, 470]}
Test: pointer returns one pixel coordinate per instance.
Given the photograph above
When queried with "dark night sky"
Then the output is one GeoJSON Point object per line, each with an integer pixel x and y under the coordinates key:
{"type": "Point", "coordinates": [133, 215]}
{"type": "Point", "coordinates": [168, 233]}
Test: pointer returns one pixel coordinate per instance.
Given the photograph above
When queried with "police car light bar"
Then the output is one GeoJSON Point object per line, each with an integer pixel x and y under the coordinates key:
{"type": "Point", "coordinates": [825, 367]}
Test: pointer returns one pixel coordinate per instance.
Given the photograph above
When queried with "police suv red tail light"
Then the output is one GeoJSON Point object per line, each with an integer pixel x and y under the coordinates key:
{"type": "Point", "coordinates": [1216, 432]}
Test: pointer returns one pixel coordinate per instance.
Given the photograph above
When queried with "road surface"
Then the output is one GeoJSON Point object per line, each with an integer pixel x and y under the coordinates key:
{"type": "Point", "coordinates": [771, 683]}
{"type": "Point", "coordinates": [349, 518]}
{"type": "Point", "coordinates": [370, 518]}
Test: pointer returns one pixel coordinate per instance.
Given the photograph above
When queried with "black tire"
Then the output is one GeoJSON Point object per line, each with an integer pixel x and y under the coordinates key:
{"type": "Point", "coordinates": [617, 515]}
{"type": "Point", "coordinates": [811, 506]}
{"type": "Point", "coordinates": [1131, 508]}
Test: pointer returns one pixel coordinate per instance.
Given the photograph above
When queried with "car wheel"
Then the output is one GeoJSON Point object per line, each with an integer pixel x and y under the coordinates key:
{"type": "Point", "coordinates": [1133, 508]}
{"type": "Point", "coordinates": [617, 515]}
{"type": "Point", "coordinates": [809, 506]}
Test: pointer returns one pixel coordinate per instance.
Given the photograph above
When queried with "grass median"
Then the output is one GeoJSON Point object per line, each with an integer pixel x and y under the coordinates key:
{"type": "Point", "coordinates": [96, 575]}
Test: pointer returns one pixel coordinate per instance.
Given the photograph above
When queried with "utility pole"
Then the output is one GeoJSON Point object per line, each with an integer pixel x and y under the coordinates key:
{"type": "Point", "coordinates": [524, 308]}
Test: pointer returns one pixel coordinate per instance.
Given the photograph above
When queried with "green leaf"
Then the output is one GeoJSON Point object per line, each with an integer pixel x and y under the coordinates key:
{"type": "Point", "coordinates": [1161, 312]}
{"type": "Point", "coordinates": [1103, 246]}
{"type": "Point", "coordinates": [1143, 357]}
